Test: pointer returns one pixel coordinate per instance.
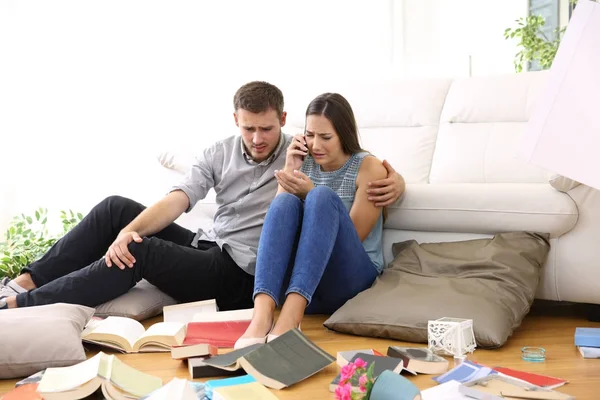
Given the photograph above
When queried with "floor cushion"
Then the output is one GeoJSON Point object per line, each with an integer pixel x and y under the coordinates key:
{"type": "Point", "coordinates": [491, 281]}
{"type": "Point", "coordinates": [141, 302]}
{"type": "Point", "coordinates": [36, 338]}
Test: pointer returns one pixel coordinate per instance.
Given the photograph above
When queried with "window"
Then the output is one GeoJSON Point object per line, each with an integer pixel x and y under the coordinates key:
{"type": "Point", "coordinates": [550, 10]}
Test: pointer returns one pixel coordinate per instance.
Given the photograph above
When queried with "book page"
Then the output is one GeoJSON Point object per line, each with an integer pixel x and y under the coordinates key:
{"type": "Point", "coordinates": [445, 391]}
{"type": "Point", "coordinates": [127, 328]}
{"type": "Point", "coordinates": [133, 381]}
{"type": "Point", "coordinates": [62, 379]}
{"type": "Point", "coordinates": [164, 333]}
{"type": "Point", "coordinates": [246, 391]}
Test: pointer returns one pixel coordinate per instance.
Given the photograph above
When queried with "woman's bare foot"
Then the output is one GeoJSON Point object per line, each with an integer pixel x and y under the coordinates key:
{"type": "Point", "coordinates": [262, 318]}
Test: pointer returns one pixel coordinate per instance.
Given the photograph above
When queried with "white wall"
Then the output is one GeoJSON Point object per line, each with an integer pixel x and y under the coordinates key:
{"type": "Point", "coordinates": [90, 91]}
{"type": "Point", "coordinates": [442, 37]}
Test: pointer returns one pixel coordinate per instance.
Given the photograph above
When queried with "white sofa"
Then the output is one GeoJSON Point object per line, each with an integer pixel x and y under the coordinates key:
{"type": "Point", "coordinates": [455, 143]}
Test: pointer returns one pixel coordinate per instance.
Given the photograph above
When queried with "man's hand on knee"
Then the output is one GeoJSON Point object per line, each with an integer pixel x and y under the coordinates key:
{"type": "Point", "coordinates": [118, 252]}
{"type": "Point", "coordinates": [386, 191]}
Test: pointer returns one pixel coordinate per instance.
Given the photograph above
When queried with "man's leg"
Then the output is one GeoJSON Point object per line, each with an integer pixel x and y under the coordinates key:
{"type": "Point", "coordinates": [184, 273]}
{"type": "Point", "coordinates": [276, 247]}
{"type": "Point", "coordinates": [331, 265]}
{"type": "Point", "coordinates": [89, 240]}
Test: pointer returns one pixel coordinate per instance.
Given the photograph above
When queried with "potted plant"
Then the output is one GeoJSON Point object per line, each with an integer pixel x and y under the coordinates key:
{"type": "Point", "coordinates": [27, 239]}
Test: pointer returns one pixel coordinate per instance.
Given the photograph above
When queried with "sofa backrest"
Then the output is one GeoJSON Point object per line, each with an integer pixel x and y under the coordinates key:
{"type": "Point", "coordinates": [440, 130]}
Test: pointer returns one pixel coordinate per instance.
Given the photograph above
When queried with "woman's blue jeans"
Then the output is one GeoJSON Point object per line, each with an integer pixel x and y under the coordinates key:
{"type": "Point", "coordinates": [312, 248]}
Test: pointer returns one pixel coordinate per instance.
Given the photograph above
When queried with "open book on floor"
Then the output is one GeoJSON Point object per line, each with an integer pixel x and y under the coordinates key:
{"type": "Point", "coordinates": [419, 359]}
{"type": "Point", "coordinates": [289, 359]}
{"type": "Point", "coordinates": [116, 380]}
{"type": "Point", "coordinates": [129, 336]}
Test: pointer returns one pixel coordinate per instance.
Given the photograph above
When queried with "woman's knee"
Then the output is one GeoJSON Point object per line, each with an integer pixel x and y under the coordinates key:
{"type": "Point", "coordinates": [286, 202]}
{"type": "Point", "coordinates": [320, 195]}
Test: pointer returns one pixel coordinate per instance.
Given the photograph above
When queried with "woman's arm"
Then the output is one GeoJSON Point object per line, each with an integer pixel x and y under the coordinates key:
{"type": "Point", "coordinates": [364, 213]}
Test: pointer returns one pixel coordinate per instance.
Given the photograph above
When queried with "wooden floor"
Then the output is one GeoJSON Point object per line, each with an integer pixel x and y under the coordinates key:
{"type": "Point", "coordinates": [551, 326]}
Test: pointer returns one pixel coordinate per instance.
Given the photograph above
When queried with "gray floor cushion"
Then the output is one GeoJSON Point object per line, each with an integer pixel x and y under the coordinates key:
{"type": "Point", "coordinates": [142, 301]}
{"type": "Point", "coordinates": [36, 338]}
{"type": "Point", "coordinates": [491, 281]}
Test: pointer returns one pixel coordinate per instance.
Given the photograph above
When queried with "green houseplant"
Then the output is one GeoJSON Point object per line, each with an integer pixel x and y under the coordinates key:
{"type": "Point", "coordinates": [27, 239]}
{"type": "Point", "coordinates": [533, 44]}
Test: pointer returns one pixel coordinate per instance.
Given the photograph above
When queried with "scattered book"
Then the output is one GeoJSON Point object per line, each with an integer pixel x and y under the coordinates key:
{"type": "Point", "coordinates": [221, 329]}
{"type": "Point", "coordinates": [547, 382]}
{"type": "Point", "coordinates": [129, 336]}
{"type": "Point", "coordinates": [35, 378]}
{"type": "Point", "coordinates": [178, 389]}
{"type": "Point", "coordinates": [210, 385]}
{"type": "Point", "coordinates": [222, 334]}
{"type": "Point", "coordinates": [419, 359]}
{"type": "Point", "coordinates": [380, 364]}
{"type": "Point", "coordinates": [117, 380]}
{"type": "Point", "coordinates": [231, 361]}
{"type": "Point", "coordinates": [224, 316]}
{"type": "Point", "coordinates": [284, 361]}
{"type": "Point", "coordinates": [27, 391]}
{"type": "Point", "coordinates": [247, 391]}
{"type": "Point", "coordinates": [445, 391]}
{"type": "Point", "coordinates": [500, 387]}
{"type": "Point", "coordinates": [198, 368]}
{"type": "Point", "coordinates": [184, 312]}
{"type": "Point", "coordinates": [344, 357]}
{"type": "Point", "coordinates": [587, 337]}
{"type": "Point", "coordinates": [465, 372]}
{"type": "Point", "coordinates": [589, 352]}
{"type": "Point", "coordinates": [195, 350]}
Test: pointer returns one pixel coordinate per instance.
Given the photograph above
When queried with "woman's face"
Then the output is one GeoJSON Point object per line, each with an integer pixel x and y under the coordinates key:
{"type": "Point", "coordinates": [324, 143]}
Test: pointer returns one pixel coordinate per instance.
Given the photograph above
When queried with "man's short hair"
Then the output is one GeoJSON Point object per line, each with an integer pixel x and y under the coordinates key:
{"type": "Point", "coordinates": [258, 97]}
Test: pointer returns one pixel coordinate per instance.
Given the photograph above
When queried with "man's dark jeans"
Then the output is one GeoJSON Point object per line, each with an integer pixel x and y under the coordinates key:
{"type": "Point", "coordinates": [74, 270]}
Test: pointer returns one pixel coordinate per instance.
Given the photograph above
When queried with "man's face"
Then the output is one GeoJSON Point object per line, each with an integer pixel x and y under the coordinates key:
{"type": "Point", "coordinates": [260, 132]}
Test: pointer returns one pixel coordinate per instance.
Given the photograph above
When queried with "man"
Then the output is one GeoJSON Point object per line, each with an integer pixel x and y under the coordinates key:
{"type": "Point", "coordinates": [145, 243]}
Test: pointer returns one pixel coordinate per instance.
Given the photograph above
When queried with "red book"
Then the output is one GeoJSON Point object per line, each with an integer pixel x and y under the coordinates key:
{"type": "Point", "coordinates": [24, 392]}
{"type": "Point", "coordinates": [219, 334]}
{"type": "Point", "coordinates": [547, 382]}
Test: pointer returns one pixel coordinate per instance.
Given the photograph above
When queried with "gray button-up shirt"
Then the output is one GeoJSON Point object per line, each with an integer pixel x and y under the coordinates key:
{"type": "Point", "coordinates": [244, 191]}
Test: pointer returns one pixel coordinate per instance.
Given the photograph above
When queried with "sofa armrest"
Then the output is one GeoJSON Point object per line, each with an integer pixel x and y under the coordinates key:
{"type": "Point", "coordinates": [562, 183]}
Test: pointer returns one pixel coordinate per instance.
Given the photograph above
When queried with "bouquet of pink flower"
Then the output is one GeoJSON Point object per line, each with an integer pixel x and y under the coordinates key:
{"type": "Point", "coordinates": [355, 375]}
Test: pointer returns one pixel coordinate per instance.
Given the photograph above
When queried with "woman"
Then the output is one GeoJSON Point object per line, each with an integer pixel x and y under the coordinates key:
{"type": "Point", "coordinates": [321, 239]}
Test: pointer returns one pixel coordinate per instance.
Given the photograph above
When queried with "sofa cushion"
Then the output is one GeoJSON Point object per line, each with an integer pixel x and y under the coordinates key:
{"type": "Point", "coordinates": [484, 208]}
{"type": "Point", "coordinates": [491, 281]}
{"type": "Point", "coordinates": [481, 129]}
{"type": "Point", "coordinates": [142, 301]}
{"type": "Point", "coordinates": [35, 338]}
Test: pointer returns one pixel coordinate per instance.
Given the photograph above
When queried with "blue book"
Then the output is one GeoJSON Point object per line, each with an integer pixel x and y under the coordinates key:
{"type": "Point", "coordinates": [210, 385]}
{"type": "Point", "coordinates": [465, 372]}
{"type": "Point", "coordinates": [587, 337]}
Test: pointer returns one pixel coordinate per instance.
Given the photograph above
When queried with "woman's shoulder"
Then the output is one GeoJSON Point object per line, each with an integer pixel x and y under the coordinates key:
{"type": "Point", "coordinates": [371, 169]}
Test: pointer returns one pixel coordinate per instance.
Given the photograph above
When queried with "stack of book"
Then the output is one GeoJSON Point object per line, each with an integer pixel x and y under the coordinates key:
{"type": "Point", "coordinates": [587, 341]}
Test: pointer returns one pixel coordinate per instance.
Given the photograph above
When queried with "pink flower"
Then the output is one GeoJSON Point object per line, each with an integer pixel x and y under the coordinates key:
{"type": "Point", "coordinates": [360, 363]}
{"type": "Point", "coordinates": [343, 392]}
{"type": "Point", "coordinates": [362, 383]}
{"type": "Point", "coordinates": [347, 372]}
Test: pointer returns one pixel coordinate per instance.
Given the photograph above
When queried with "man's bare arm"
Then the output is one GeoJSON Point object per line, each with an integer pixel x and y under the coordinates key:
{"type": "Point", "coordinates": [158, 216]}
